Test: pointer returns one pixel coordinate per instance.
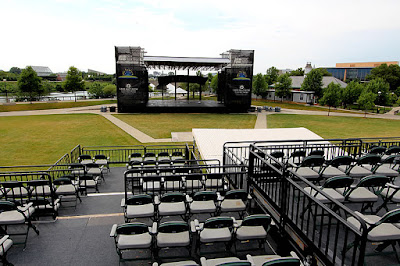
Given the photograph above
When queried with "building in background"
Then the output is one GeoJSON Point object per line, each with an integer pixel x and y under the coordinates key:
{"type": "Point", "coordinates": [44, 72]}
{"type": "Point", "coordinates": [355, 71]}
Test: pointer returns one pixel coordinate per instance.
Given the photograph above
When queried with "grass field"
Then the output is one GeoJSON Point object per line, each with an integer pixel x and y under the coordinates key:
{"type": "Point", "coordinates": [55, 105]}
{"type": "Point", "coordinates": [337, 127]}
{"type": "Point", "coordinates": [291, 105]}
{"type": "Point", "coordinates": [44, 139]}
{"type": "Point", "coordinates": [161, 125]}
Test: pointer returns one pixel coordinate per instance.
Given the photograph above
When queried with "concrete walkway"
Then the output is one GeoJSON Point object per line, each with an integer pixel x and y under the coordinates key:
{"type": "Point", "coordinates": [261, 122]}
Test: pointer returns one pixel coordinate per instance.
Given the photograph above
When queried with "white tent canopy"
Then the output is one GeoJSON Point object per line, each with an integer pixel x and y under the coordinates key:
{"type": "Point", "coordinates": [171, 90]}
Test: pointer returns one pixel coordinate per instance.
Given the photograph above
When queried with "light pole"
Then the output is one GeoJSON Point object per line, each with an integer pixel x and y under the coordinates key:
{"type": "Point", "coordinates": [379, 100]}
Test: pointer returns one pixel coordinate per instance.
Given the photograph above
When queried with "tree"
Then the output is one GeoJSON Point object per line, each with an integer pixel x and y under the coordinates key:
{"type": "Point", "coordinates": [214, 83]}
{"type": "Point", "coordinates": [110, 91]}
{"type": "Point", "coordinates": [366, 100]}
{"type": "Point", "coordinates": [73, 80]}
{"type": "Point", "coordinates": [391, 74]}
{"type": "Point", "coordinates": [379, 87]}
{"type": "Point", "coordinates": [48, 86]}
{"type": "Point", "coordinates": [272, 75]}
{"type": "Point", "coordinates": [259, 85]}
{"type": "Point", "coordinates": [351, 93]}
{"type": "Point", "coordinates": [96, 90]}
{"type": "Point", "coordinates": [324, 72]}
{"type": "Point", "coordinates": [30, 83]}
{"type": "Point", "coordinates": [297, 72]}
{"type": "Point", "coordinates": [283, 85]}
{"type": "Point", "coordinates": [15, 70]}
{"type": "Point", "coordinates": [331, 96]}
{"type": "Point", "coordinates": [313, 82]}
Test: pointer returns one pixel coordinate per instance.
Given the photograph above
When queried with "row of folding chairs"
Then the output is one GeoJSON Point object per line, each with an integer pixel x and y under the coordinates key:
{"type": "Point", "coordinates": [178, 234]}
{"type": "Point", "coordinates": [188, 183]}
{"type": "Point", "coordinates": [98, 159]}
{"type": "Point", "coordinates": [183, 205]}
{"type": "Point", "coordinates": [151, 156]}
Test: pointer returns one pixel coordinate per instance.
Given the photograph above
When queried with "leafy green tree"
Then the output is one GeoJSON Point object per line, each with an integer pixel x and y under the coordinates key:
{"type": "Point", "coordinates": [324, 72]}
{"type": "Point", "coordinates": [380, 88]}
{"type": "Point", "coordinates": [313, 82]}
{"type": "Point", "coordinates": [96, 90]}
{"type": "Point", "coordinates": [297, 72]}
{"type": "Point", "coordinates": [15, 70]}
{"type": "Point", "coordinates": [73, 80]}
{"type": "Point", "coordinates": [259, 85]}
{"type": "Point", "coordinates": [283, 86]}
{"type": "Point", "coordinates": [391, 74]}
{"type": "Point", "coordinates": [272, 75]}
{"type": "Point", "coordinates": [110, 91]}
{"type": "Point", "coordinates": [214, 83]}
{"type": "Point", "coordinates": [351, 93]}
{"type": "Point", "coordinates": [366, 100]}
{"type": "Point", "coordinates": [30, 83]}
{"type": "Point", "coordinates": [332, 96]}
{"type": "Point", "coordinates": [48, 87]}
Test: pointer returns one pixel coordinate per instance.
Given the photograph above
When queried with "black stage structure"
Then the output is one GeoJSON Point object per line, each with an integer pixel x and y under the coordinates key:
{"type": "Point", "coordinates": [235, 75]}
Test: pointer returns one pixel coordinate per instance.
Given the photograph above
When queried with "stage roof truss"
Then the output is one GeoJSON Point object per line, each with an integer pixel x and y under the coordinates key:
{"type": "Point", "coordinates": [184, 63]}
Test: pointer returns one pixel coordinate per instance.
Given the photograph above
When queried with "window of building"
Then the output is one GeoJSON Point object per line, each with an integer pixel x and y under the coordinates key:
{"type": "Point", "coordinates": [301, 96]}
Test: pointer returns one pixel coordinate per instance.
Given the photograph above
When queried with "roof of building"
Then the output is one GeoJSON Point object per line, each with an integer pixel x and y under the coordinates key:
{"type": "Point", "coordinates": [42, 71]}
{"type": "Point", "coordinates": [298, 80]}
{"type": "Point", "coordinates": [185, 62]}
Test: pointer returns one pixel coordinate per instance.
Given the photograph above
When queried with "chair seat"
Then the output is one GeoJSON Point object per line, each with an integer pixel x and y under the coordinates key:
{"type": "Point", "coordinates": [66, 190]}
{"type": "Point", "coordinates": [88, 183]}
{"type": "Point", "coordinates": [389, 192]}
{"type": "Point", "coordinates": [102, 162]}
{"type": "Point", "coordinates": [6, 246]}
{"type": "Point", "coordinates": [15, 217]}
{"type": "Point", "coordinates": [383, 232]}
{"type": "Point", "coordinates": [171, 208]}
{"type": "Point", "coordinates": [356, 171]}
{"type": "Point", "coordinates": [181, 239]}
{"type": "Point", "coordinates": [251, 232]}
{"type": "Point", "coordinates": [48, 207]}
{"type": "Point", "coordinates": [214, 183]}
{"type": "Point", "coordinates": [17, 192]}
{"type": "Point", "coordinates": [331, 171]}
{"type": "Point", "coordinates": [78, 172]}
{"type": "Point", "coordinates": [180, 263]}
{"type": "Point", "coordinates": [361, 194]}
{"type": "Point", "coordinates": [384, 170]}
{"type": "Point", "coordinates": [228, 205]}
{"type": "Point", "coordinates": [86, 161]}
{"type": "Point", "coordinates": [134, 241]}
{"type": "Point", "coordinates": [94, 171]}
{"type": "Point", "coordinates": [307, 173]}
{"type": "Point", "coordinates": [41, 191]}
{"type": "Point", "coordinates": [137, 211]}
{"type": "Point", "coordinates": [202, 206]}
{"type": "Point", "coordinates": [222, 261]}
{"type": "Point", "coordinates": [215, 235]}
{"type": "Point", "coordinates": [330, 191]}
{"type": "Point", "coordinates": [261, 259]}
{"type": "Point", "coordinates": [194, 184]}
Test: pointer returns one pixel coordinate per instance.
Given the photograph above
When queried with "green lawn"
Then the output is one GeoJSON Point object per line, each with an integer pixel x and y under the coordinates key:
{"type": "Point", "coordinates": [161, 125]}
{"type": "Point", "coordinates": [292, 105]}
{"type": "Point", "coordinates": [337, 127]}
{"type": "Point", "coordinates": [50, 105]}
{"type": "Point", "coordinates": [44, 139]}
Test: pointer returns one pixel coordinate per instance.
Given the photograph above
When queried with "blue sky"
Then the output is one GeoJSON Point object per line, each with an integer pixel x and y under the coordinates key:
{"type": "Point", "coordinates": [285, 33]}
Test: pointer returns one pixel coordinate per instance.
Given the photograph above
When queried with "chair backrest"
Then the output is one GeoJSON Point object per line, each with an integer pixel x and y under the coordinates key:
{"type": "Point", "coordinates": [338, 182]}
{"type": "Point", "coordinates": [62, 181]}
{"type": "Point", "coordinates": [373, 181]}
{"type": "Point", "coordinates": [205, 196]}
{"type": "Point", "coordinates": [283, 261]}
{"type": "Point", "coordinates": [140, 199]}
{"type": "Point", "coordinates": [7, 206]}
{"type": "Point", "coordinates": [163, 154]}
{"type": "Point", "coordinates": [317, 152]}
{"type": "Point", "coordinates": [341, 160]}
{"type": "Point", "coordinates": [235, 263]}
{"type": "Point", "coordinates": [390, 217]}
{"type": "Point", "coordinates": [393, 150]}
{"type": "Point", "coordinates": [100, 157]}
{"type": "Point", "coordinates": [236, 194]}
{"type": "Point", "coordinates": [194, 177]}
{"type": "Point", "coordinates": [377, 150]}
{"type": "Point", "coordinates": [135, 155]}
{"type": "Point", "coordinates": [214, 176]}
{"type": "Point", "coordinates": [299, 153]}
{"type": "Point", "coordinates": [277, 154]}
{"type": "Point", "coordinates": [92, 165]}
{"type": "Point", "coordinates": [218, 222]}
{"type": "Point", "coordinates": [257, 220]}
{"type": "Point", "coordinates": [132, 229]}
{"type": "Point", "coordinates": [173, 227]}
{"type": "Point", "coordinates": [391, 159]}
{"type": "Point", "coordinates": [135, 163]}
{"type": "Point", "coordinates": [177, 153]}
{"type": "Point", "coordinates": [371, 159]}
{"type": "Point", "coordinates": [149, 154]}
{"type": "Point", "coordinates": [84, 157]}
{"type": "Point", "coordinates": [164, 161]}
{"type": "Point", "coordinates": [172, 197]}
{"type": "Point", "coordinates": [313, 161]}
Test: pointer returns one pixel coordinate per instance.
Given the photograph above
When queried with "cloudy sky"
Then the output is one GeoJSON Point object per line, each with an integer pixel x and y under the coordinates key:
{"type": "Point", "coordinates": [283, 33]}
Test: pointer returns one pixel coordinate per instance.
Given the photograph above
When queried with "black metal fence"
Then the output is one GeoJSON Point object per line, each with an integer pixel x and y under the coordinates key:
{"type": "Point", "coordinates": [317, 229]}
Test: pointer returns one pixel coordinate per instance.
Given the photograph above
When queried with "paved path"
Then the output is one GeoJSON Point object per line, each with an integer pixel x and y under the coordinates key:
{"type": "Point", "coordinates": [261, 121]}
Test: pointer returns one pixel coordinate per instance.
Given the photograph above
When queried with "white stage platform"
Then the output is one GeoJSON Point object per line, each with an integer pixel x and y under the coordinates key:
{"type": "Point", "coordinates": [210, 142]}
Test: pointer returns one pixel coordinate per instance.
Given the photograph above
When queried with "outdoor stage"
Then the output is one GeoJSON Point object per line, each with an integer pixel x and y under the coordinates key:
{"type": "Point", "coordinates": [184, 106]}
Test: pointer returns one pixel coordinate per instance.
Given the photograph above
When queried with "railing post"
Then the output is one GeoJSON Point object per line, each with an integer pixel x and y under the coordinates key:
{"type": "Point", "coordinates": [251, 167]}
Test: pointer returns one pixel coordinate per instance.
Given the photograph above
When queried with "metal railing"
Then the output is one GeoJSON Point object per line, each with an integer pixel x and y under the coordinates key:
{"type": "Point", "coordinates": [315, 228]}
